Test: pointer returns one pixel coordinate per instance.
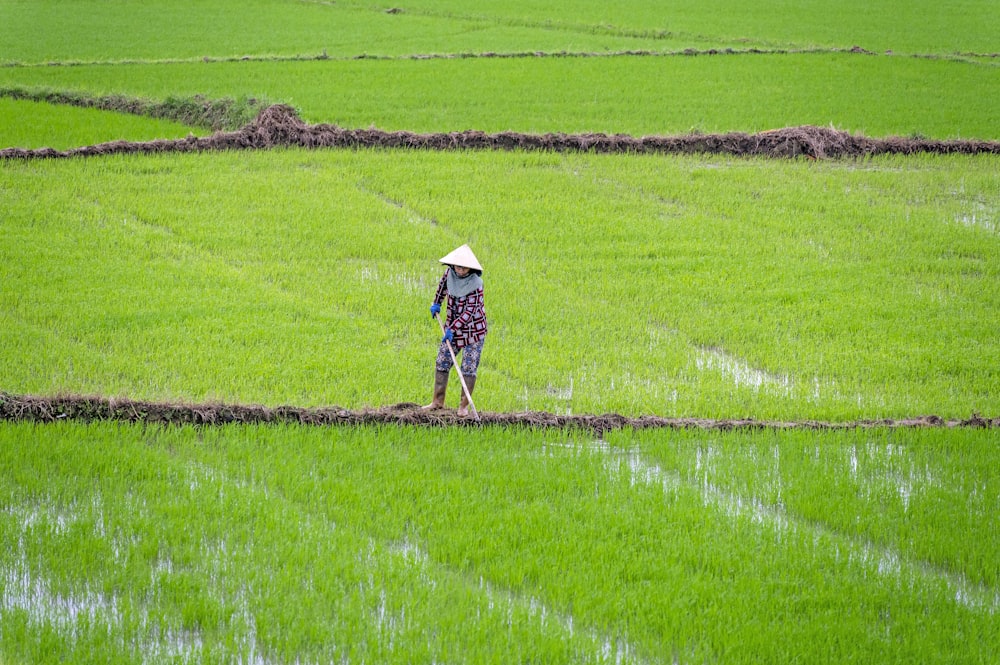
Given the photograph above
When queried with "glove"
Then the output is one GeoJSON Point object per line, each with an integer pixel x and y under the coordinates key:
{"type": "Point", "coordinates": [435, 309]}
{"type": "Point", "coordinates": [448, 335]}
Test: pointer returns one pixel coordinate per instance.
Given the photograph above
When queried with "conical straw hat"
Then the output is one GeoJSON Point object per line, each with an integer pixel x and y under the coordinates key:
{"type": "Point", "coordinates": [462, 256]}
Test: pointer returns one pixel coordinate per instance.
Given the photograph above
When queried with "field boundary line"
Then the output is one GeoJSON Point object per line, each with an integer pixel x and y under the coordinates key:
{"type": "Point", "coordinates": [279, 126]}
{"type": "Point", "coordinates": [46, 409]}
{"type": "Point", "coordinates": [962, 57]}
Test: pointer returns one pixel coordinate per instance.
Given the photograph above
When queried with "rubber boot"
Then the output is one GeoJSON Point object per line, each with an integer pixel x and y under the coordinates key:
{"type": "Point", "coordinates": [463, 406]}
{"type": "Point", "coordinates": [440, 389]}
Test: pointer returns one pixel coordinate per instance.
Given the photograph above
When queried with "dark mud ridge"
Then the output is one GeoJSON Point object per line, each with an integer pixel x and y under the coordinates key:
{"type": "Point", "coordinates": [469, 55]}
{"type": "Point", "coordinates": [279, 126]}
{"type": "Point", "coordinates": [88, 409]}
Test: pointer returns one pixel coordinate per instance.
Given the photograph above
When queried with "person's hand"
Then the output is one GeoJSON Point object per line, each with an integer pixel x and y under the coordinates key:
{"type": "Point", "coordinates": [448, 335]}
{"type": "Point", "coordinates": [435, 309]}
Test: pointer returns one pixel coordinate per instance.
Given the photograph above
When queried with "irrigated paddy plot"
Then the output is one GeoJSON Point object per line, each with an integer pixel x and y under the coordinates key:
{"type": "Point", "coordinates": [35, 124]}
{"type": "Point", "coordinates": [189, 29]}
{"type": "Point", "coordinates": [871, 95]}
{"type": "Point", "coordinates": [847, 290]}
{"type": "Point", "coordinates": [289, 544]}
{"type": "Point", "coordinates": [702, 292]}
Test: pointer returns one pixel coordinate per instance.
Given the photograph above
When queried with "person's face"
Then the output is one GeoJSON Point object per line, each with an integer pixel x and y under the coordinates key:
{"type": "Point", "coordinates": [461, 271]}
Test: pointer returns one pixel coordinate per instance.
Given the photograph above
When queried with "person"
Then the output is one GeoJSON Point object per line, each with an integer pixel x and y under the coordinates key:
{"type": "Point", "coordinates": [465, 330]}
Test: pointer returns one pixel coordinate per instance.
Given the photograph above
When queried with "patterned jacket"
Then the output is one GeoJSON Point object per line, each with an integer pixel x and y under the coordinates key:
{"type": "Point", "coordinates": [466, 316]}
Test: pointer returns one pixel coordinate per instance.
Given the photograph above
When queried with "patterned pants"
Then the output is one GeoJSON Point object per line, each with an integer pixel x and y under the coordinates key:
{"type": "Point", "coordinates": [470, 358]}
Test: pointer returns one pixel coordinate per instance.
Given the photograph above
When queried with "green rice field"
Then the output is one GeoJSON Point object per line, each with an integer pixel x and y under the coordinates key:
{"type": "Point", "coordinates": [679, 286]}
{"type": "Point", "coordinates": [286, 544]}
{"type": "Point", "coordinates": [44, 32]}
{"type": "Point", "coordinates": [617, 283]}
{"type": "Point", "coordinates": [61, 128]}
{"type": "Point", "coordinates": [875, 96]}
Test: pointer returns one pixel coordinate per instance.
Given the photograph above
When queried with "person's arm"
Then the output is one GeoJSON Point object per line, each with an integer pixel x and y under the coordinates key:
{"type": "Point", "coordinates": [442, 289]}
{"type": "Point", "coordinates": [439, 294]}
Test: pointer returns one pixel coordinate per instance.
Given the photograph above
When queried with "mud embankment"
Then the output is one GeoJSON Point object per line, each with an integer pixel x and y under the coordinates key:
{"type": "Point", "coordinates": [959, 56]}
{"type": "Point", "coordinates": [279, 126]}
{"type": "Point", "coordinates": [89, 409]}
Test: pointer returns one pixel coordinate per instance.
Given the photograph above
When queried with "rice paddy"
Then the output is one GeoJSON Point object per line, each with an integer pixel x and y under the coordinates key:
{"type": "Point", "coordinates": [291, 544]}
{"type": "Point", "coordinates": [872, 95]}
{"type": "Point", "coordinates": [60, 128]}
{"type": "Point", "coordinates": [750, 290]}
{"type": "Point", "coordinates": [847, 292]}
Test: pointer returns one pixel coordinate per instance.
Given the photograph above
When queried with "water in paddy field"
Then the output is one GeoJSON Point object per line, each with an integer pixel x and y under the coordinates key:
{"type": "Point", "coordinates": [979, 220]}
{"type": "Point", "coordinates": [629, 465]}
{"type": "Point", "coordinates": [27, 591]}
{"type": "Point", "coordinates": [80, 609]}
{"type": "Point", "coordinates": [741, 373]}
{"type": "Point", "coordinates": [509, 604]}
{"type": "Point", "coordinates": [130, 624]}
{"type": "Point", "coordinates": [30, 590]}
{"type": "Point", "coordinates": [408, 283]}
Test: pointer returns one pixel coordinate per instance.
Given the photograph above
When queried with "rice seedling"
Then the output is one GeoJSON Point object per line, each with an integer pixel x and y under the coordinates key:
{"type": "Point", "coordinates": [846, 290]}
{"type": "Point", "coordinates": [875, 96]}
{"type": "Point", "coordinates": [194, 30]}
{"type": "Point", "coordinates": [186, 29]}
{"type": "Point", "coordinates": [195, 111]}
{"type": "Point", "coordinates": [28, 124]}
{"type": "Point", "coordinates": [669, 285]}
{"type": "Point", "coordinates": [214, 567]}
{"type": "Point", "coordinates": [277, 544]}
{"type": "Point", "coordinates": [921, 27]}
{"type": "Point", "coordinates": [923, 497]}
